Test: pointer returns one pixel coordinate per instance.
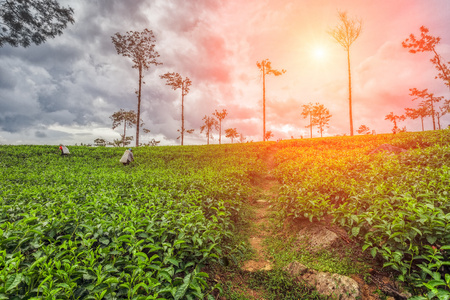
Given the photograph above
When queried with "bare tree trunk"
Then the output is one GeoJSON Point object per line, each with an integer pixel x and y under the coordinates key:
{"type": "Point", "coordinates": [124, 129]}
{"type": "Point", "coordinates": [220, 132]}
{"type": "Point", "coordinates": [350, 93]}
{"type": "Point", "coordinates": [421, 118]}
{"type": "Point", "coordinates": [310, 125]}
{"type": "Point", "coordinates": [139, 106]}
{"type": "Point", "coordinates": [432, 114]}
{"type": "Point", "coordinates": [441, 68]}
{"type": "Point", "coordinates": [182, 114]}
{"type": "Point", "coordinates": [264, 100]}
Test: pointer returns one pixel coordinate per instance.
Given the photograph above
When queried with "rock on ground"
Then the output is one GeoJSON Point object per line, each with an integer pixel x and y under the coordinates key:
{"type": "Point", "coordinates": [342, 287]}
{"type": "Point", "coordinates": [318, 237]}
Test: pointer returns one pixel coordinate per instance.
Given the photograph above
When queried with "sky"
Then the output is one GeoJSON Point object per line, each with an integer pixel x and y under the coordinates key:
{"type": "Point", "coordinates": [65, 90]}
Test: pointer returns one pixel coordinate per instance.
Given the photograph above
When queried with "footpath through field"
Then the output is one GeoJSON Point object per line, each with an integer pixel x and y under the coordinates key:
{"type": "Point", "coordinates": [266, 193]}
{"type": "Point", "coordinates": [261, 228]}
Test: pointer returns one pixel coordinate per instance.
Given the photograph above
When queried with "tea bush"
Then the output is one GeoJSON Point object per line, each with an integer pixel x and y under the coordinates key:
{"type": "Point", "coordinates": [396, 205]}
{"type": "Point", "coordinates": [86, 227]}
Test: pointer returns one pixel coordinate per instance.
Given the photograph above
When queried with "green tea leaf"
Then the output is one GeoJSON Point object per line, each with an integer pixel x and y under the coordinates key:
{"type": "Point", "coordinates": [181, 291]}
{"type": "Point", "coordinates": [12, 281]}
{"type": "Point", "coordinates": [431, 239]}
{"type": "Point", "coordinates": [373, 251]}
{"type": "Point", "coordinates": [173, 261]}
{"type": "Point", "coordinates": [104, 241]}
{"type": "Point", "coordinates": [355, 231]}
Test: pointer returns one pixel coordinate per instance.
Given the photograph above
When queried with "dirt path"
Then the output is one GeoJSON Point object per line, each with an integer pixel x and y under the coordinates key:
{"type": "Point", "coordinates": [266, 192]}
{"type": "Point", "coordinates": [261, 219]}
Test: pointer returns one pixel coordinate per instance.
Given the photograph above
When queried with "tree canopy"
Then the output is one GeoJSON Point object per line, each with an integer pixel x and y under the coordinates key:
{"type": "Point", "coordinates": [127, 118]}
{"type": "Point", "coordinates": [220, 116]}
{"type": "Point", "coordinates": [210, 124]}
{"type": "Point", "coordinates": [177, 82]}
{"type": "Point", "coordinates": [231, 133]}
{"type": "Point", "coordinates": [395, 118]}
{"type": "Point", "coordinates": [428, 43]}
{"type": "Point", "coordinates": [23, 22]}
{"type": "Point", "coordinates": [140, 47]}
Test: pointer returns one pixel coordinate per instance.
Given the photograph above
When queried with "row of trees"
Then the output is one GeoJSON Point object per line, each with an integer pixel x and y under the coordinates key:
{"type": "Point", "coordinates": [345, 34]}
{"type": "Point", "coordinates": [140, 47]}
{"type": "Point", "coordinates": [318, 116]}
{"type": "Point", "coordinates": [427, 106]}
{"type": "Point", "coordinates": [127, 119]}
{"type": "Point", "coordinates": [425, 109]}
{"type": "Point", "coordinates": [26, 22]}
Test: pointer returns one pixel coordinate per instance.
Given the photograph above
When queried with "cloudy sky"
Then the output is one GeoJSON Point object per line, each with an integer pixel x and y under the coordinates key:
{"type": "Point", "coordinates": [64, 91]}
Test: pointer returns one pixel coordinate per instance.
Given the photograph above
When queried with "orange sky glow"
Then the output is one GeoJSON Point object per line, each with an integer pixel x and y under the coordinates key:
{"type": "Point", "coordinates": [78, 81]}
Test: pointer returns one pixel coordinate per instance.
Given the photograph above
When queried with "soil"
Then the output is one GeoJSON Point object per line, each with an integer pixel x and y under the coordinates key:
{"type": "Point", "coordinates": [261, 222]}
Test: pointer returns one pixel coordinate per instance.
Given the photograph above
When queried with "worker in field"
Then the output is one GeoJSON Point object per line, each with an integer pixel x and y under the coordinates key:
{"type": "Point", "coordinates": [127, 157]}
{"type": "Point", "coordinates": [63, 149]}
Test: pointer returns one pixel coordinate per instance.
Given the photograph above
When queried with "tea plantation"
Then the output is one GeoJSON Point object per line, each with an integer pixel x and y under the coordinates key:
{"type": "Point", "coordinates": [84, 226]}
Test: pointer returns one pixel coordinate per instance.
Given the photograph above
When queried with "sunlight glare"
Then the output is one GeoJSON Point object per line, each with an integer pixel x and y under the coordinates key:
{"type": "Point", "coordinates": [319, 53]}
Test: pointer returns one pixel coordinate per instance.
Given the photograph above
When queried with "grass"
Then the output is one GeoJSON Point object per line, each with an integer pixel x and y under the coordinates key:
{"type": "Point", "coordinates": [270, 285]}
{"type": "Point", "coordinates": [274, 284]}
{"type": "Point", "coordinates": [286, 249]}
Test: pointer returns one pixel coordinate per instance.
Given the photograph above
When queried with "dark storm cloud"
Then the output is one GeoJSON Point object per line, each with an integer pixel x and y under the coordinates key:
{"type": "Point", "coordinates": [65, 76]}
{"type": "Point", "coordinates": [7, 81]}
{"type": "Point", "coordinates": [40, 134]}
{"type": "Point", "coordinates": [17, 122]}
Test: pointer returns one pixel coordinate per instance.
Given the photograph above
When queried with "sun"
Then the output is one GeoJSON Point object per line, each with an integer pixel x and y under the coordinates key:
{"type": "Point", "coordinates": [319, 53]}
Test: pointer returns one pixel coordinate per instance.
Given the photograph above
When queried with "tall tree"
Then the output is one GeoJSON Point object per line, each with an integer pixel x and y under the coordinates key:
{"type": "Point", "coordinates": [220, 116]}
{"type": "Point", "coordinates": [124, 141]}
{"type": "Point", "coordinates": [345, 34]}
{"type": "Point", "coordinates": [100, 142]}
{"type": "Point", "coordinates": [241, 137]}
{"type": "Point", "coordinates": [429, 99]}
{"type": "Point", "coordinates": [447, 105]}
{"type": "Point", "coordinates": [320, 117]}
{"type": "Point", "coordinates": [427, 43]}
{"type": "Point", "coordinates": [308, 112]}
{"type": "Point", "coordinates": [140, 47]}
{"type": "Point", "coordinates": [210, 124]}
{"type": "Point", "coordinates": [231, 133]}
{"type": "Point", "coordinates": [127, 118]}
{"type": "Point", "coordinates": [177, 82]}
{"type": "Point", "coordinates": [443, 110]}
{"type": "Point", "coordinates": [421, 112]}
{"type": "Point", "coordinates": [269, 135]}
{"type": "Point", "coordinates": [266, 69]}
{"type": "Point", "coordinates": [394, 118]}
{"type": "Point", "coordinates": [363, 129]}
{"type": "Point", "coordinates": [32, 21]}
